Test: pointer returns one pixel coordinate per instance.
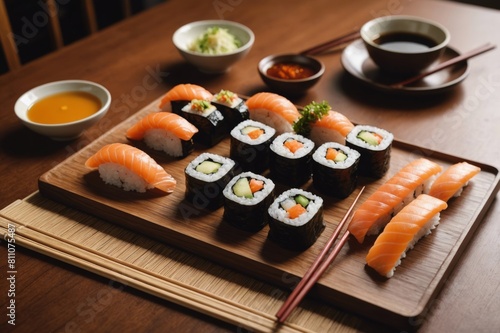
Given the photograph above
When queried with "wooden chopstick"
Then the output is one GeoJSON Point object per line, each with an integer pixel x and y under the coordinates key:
{"type": "Point", "coordinates": [318, 267]}
{"type": "Point", "coordinates": [331, 43]}
{"type": "Point", "coordinates": [445, 64]}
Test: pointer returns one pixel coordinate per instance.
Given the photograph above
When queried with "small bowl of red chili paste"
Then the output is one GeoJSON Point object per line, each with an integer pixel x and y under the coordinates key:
{"type": "Point", "coordinates": [290, 73]}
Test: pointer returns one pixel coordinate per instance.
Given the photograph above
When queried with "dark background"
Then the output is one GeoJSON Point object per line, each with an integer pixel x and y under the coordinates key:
{"type": "Point", "coordinates": [74, 25]}
{"type": "Point", "coordinates": [26, 17]}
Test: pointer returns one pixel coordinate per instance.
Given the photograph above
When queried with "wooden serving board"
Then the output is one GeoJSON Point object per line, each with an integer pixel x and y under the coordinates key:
{"type": "Point", "coordinates": [399, 301]}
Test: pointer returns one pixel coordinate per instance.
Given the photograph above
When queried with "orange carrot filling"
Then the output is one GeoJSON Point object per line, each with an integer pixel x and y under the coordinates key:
{"type": "Point", "coordinates": [331, 154]}
{"type": "Point", "coordinates": [293, 145]}
{"type": "Point", "coordinates": [378, 137]}
{"type": "Point", "coordinates": [256, 185]}
{"type": "Point", "coordinates": [255, 133]}
{"type": "Point", "coordinates": [295, 211]}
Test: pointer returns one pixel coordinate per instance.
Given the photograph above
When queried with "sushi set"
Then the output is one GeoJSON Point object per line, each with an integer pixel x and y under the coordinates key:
{"type": "Point", "coordinates": [258, 184]}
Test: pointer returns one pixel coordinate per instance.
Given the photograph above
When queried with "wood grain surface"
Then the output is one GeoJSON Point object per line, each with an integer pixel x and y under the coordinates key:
{"type": "Point", "coordinates": [137, 62]}
{"type": "Point", "coordinates": [174, 220]}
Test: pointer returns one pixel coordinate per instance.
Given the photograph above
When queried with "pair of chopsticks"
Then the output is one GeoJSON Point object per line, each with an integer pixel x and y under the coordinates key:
{"type": "Point", "coordinates": [318, 267]}
{"type": "Point", "coordinates": [332, 43]}
{"type": "Point", "coordinates": [356, 34]}
{"type": "Point", "coordinates": [464, 56]}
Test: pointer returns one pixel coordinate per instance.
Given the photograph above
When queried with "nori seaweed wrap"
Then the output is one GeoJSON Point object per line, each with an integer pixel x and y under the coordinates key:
{"type": "Point", "coordinates": [249, 147]}
{"type": "Point", "coordinates": [206, 177]}
{"type": "Point", "coordinates": [247, 198]}
{"type": "Point", "coordinates": [209, 121]}
{"type": "Point", "coordinates": [296, 219]}
{"type": "Point", "coordinates": [335, 169]}
{"type": "Point", "coordinates": [232, 107]}
{"type": "Point", "coordinates": [177, 106]}
{"type": "Point", "coordinates": [374, 144]}
{"type": "Point", "coordinates": [290, 159]}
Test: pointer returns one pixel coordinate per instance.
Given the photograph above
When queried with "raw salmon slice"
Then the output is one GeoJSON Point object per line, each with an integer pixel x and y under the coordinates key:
{"type": "Point", "coordinates": [167, 121]}
{"type": "Point", "coordinates": [184, 92]}
{"type": "Point", "coordinates": [451, 182]}
{"type": "Point", "coordinates": [413, 222]}
{"type": "Point", "coordinates": [332, 127]}
{"type": "Point", "coordinates": [135, 160]}
{"type": "Point", "coordinates": [373, 214]}
{"type": "Point", "coordinates": [335, 121]}
{"type": "Point", "coordinates": [273, 110]}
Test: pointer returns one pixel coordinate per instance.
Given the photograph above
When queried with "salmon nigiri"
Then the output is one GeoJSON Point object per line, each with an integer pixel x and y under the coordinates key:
{"type": "Point", "coordinates": [273, 110]}
{"type": "Point", "coordinates": [165, 131]}
{"type": "Point", "coordinates": [451, 182]}
{"type": "Point", "coordinates": [334, 126]}
{"type": "Point", "coordinates": [321, 124]}
{"type": "Point", "coordinates": [373, 214]}
{"type": "Point", "coordinates": [180, 95]}
{"type": "Point", "coordinates": [130, 168]}
{"type": "Point", "coordinates": [413, 222]}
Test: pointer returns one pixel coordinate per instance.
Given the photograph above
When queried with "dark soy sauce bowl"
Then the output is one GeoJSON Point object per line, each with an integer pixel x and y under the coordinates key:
{"type": "Point", "coordinates": [404, 45]}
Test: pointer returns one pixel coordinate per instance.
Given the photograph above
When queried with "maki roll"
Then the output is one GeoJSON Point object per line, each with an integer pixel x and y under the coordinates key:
{"type": "Point", "coordinates": [290, 159]}
{"type": "Point", "coordinates": [232, 107]}
{"type": "Point", "coordinates": [296, 219]}
{"type": "Point", "coordinates": [249, 147]}
{"type": "Point", "coordinates": [206, 177]}
{"type": "Point", "coordinates": [335, 169]}
{"type": "Point", "coordinates": [247, 198]}
{"type": "Point", "coordinates": [374, 145]}
{"type": "Point", "coordinates": [208, 120]}
{"type": "Point", "coordinates": [165, 131]}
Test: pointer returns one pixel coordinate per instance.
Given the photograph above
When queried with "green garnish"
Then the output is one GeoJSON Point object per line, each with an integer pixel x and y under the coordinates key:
{"type": "Point", "coordinates": [309, 115]}
{"type": "Point", "coordinates": [225, 96]}
{"type": "Point", "coordinates": [200, 105]}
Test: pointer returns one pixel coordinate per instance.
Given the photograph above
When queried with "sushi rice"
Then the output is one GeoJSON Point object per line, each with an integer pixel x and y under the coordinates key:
{"type": "Point", "coordinates": [320, 153]}
{"type": "Point", "coordinates": [276, 212]}
{"type": "Point", "coordinates": [272, 119]}
{"type": "Point", "coordinates": [121, 176]}
{"type": "Point", "coordinates": [226, 165]}
{"type": "Point", "coordinates": [278, 147]}
{"type": "Point", "coordinates": [257, 197]}
{"type": "Point", "coordinates": [159, 139]}
{"type": "Point", "coordinates": [322, 135]}
{"type": "Point", "coordinates": [387, 137]}
{"type": "Point", "coordinates": [269, 132]}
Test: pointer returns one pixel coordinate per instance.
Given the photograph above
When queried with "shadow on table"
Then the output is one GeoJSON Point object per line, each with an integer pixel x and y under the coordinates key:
{"type": "Point", "coordinates": [183, 72]}
{"type": "Point", "coordinates": [22, 142]}
{"type": "Point", "coordinates": [365, 94]}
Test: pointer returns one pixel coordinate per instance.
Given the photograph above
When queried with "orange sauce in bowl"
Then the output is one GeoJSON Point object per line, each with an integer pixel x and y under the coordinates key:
{"type": "Point", "coordinates": [64, 107]}
{"type": "Point", "coordinates": [289, 71]}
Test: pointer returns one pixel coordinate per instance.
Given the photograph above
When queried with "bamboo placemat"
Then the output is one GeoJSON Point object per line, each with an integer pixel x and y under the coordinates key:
{"type": "Point", "coordinates": [166, 272]}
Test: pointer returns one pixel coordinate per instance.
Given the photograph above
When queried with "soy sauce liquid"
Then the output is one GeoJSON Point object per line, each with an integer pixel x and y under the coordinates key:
{"type": "Point", "coordinates": [405, 42]}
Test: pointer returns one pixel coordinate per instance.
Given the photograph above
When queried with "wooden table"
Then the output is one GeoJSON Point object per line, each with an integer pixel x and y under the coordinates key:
{"type": "Point", "coordinates": [137, 62]}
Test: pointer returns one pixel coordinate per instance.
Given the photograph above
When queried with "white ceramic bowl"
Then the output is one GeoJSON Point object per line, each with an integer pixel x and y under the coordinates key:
{"type": "Point", "coordinates": [65, 131]}
{"type": "Point", "coordinates": [207, 63]}
{"type": "Point", "coordinates": [404, 61]}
